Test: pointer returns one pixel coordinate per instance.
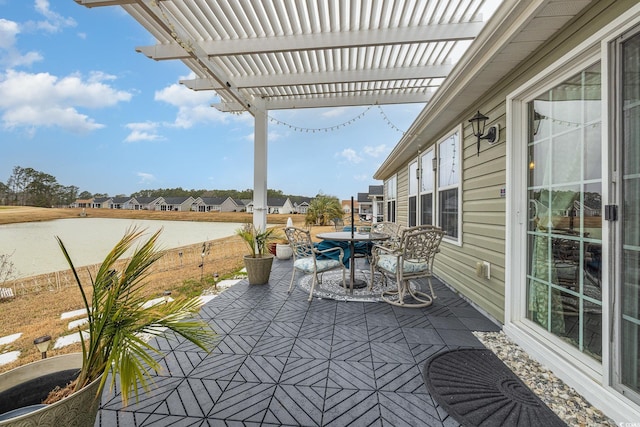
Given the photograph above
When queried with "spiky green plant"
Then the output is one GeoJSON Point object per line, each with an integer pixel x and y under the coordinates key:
{"type": "Point", "coordinates": [255, 239]}
{"type": "Point", "coordinates": [118, 318]}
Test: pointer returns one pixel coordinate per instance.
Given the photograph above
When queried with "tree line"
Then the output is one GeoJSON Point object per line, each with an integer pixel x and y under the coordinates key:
{"type": "Point", "coordinates": [29, 187]}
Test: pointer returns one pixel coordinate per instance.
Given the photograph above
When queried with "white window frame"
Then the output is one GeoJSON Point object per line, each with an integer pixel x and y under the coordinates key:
{"type": "Point", "coordinates": [456, 240]}
{"type": "Point", "coordinates": [391, 198]}
{"type": "Point", "coordinates": [427, 169]}
{"type": "Point", "coordinates": [413, 171]}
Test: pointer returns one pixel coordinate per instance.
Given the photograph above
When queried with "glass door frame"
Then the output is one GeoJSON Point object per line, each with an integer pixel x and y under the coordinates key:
{"type": "Point", "coordinates": [518, 216]}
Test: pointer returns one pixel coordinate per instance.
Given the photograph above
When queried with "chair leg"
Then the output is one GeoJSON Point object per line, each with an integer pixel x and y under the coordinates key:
{"type": "Point", "coordinates": [420, 299]}
{"type": "Point", "coordinates": [292, 277]}
{"type": "Point", "coordinates": [433, 294]}
{"type": "Point", "coordinates": [313, 285]}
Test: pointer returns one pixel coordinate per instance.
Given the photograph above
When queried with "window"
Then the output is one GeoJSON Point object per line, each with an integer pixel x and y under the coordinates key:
{"type": "Point", "coordinates": [426, 188]}
{"type": "Point", "coordinates": [413, 193]}
{"type": "Point", "coordinates": [449, 185]}
{"type": "Point", "coordinates": [391, 199]}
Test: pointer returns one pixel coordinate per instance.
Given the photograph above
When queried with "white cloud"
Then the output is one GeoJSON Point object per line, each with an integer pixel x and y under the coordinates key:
{"type": "Point", "coordinates": [376, 151]}
{"type": "Point", "coordinates": [8, 32]}
{"type": "Point", "coordinates": [351, 155]}
{"type": "Point", "coordinates": [9, 55]}
{"type": "Point", "coordinates": [361, 178]}
{"type": "Point", "coordinates": [193, 106]}
{"type": "Point", "coordinates": [44, 100]}
{"type": "Point", "coordinates": [53, 22]}
{"type": "Point", "coordinates": [145, 178]}
{"type": "Point", "coordinates": [146, 131]}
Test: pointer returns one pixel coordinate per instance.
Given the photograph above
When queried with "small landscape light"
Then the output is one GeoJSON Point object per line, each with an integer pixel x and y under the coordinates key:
{"type": "Point", "coordinates": [42, 344]}
{"type": "Point", "coordinates": [166, 295]}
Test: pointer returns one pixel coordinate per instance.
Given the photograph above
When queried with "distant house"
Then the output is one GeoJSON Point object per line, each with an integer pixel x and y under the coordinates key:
{"type": "Point", "coordinates": [179, 204]}
{"type": "Point", "coordinates": [301, 207]}
{"type": "Point", "coordinates": [101, 202]}
{"type": "Point", "coordinates": [82, 203]}
{"type": "Point", "coordinates": [215, 204]}
{"type": "Point", "coordinates": [148, 203]}
{"type": "Point", "coordinates": [275, 206]}
{"type": "Point", "coordinates": [246, 205]}
{"type": "Point", "coordinates": [376, 196]}
{"type": "Point", "coordinates": [346, 206]}
{"type": "Point", "coordinates": [279, 206]}
{"type": "Point", "coordinates": [128, 203]}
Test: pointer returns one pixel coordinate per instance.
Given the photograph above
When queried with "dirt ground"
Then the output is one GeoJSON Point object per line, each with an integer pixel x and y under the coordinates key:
{"type": "Point", "coordinates": [36, 311]}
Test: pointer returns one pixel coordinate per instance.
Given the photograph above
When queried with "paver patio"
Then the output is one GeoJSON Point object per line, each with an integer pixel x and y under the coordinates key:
{"type": "Point", "coordinates": [282, 361]}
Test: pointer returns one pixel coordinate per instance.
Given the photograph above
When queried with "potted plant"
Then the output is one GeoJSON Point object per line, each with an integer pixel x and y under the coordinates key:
{"type": "Point", "coordinates": [258, 262]}
{"type": "Point", "coordinates": [113, 347]}
{"type": "Point", "coordinates": [283, 249]}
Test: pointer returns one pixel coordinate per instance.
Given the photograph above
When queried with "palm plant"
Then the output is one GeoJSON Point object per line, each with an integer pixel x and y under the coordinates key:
{"type": "Point", "coordinates": [323, 209]}
{"type": "Point", "coordinates": [119, 319]}
{"type": "Point", "coordinates": [256, 239]}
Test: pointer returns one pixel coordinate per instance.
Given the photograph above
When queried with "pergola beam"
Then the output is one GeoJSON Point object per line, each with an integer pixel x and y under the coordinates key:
{"type": "Point", "coordinates": [302, 42]}
{"type": "Point", "coordinates": [282, 103]}
{"type": "Point", "coordinates": [333, 77]}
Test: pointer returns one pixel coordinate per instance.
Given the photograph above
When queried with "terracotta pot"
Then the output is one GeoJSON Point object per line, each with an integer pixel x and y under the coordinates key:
{"type": "Point", "coordinates": [29, 384]}
{"type": "Point", "coordinates": [272, 248]}
{"type": "Point", "coordinates": [258, 268]}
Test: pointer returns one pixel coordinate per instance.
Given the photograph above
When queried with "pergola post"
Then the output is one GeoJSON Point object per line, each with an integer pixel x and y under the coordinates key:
{"type": "Point", "coordinates": [260, 169]}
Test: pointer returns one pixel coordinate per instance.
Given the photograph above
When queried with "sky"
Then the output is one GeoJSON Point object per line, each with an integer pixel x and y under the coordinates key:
{"type": "Point", "coordinates": [79, 103]}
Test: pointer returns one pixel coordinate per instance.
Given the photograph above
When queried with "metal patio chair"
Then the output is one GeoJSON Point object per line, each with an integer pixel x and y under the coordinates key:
{"type": "Point", "coordinates": [411, 259]}
{"type": "Point", "coordinates": [391, 229]}
{"type": "Point", "coordinates": [310, 260]}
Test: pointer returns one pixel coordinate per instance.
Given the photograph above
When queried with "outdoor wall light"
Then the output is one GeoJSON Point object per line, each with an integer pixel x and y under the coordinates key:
{"type": "Point", "coordinates": [478, 123]}
{"type": "Point", "coordinates": [42, 344]}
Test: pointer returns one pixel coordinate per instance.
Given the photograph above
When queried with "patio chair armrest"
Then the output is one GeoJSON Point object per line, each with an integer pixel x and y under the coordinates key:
{"type": "Point", "coordinates": [381, 248]}
{"type": "Point", "coordinates": [324, 251]}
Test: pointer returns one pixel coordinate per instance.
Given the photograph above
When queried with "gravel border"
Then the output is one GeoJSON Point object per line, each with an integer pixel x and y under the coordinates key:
{"type": "Point", "coordinates": [570, 406]}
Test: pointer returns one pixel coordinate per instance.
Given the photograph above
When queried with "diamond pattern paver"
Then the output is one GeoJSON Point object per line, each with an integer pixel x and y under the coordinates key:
{"type": "Point", "coordinates": [282, 361]}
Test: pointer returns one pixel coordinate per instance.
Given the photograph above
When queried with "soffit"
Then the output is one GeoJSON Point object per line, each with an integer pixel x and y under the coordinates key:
{"type": "Point", "coordinates": [282, 54]}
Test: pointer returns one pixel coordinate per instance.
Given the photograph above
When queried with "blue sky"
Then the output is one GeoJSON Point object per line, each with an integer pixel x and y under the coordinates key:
{"type": "Point", "coordinates": [77, 102]}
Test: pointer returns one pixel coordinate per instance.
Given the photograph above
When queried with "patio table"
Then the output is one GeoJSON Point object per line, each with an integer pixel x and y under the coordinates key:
{"type": "Point", "coordinates": [352, 237]}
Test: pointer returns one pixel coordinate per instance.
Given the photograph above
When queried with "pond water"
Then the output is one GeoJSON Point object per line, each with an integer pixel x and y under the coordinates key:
{"type": "Point", "coordinates": [34, 249]}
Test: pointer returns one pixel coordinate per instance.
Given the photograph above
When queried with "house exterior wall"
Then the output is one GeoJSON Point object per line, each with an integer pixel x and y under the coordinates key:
{"type": "Point", "coordinates": [228, 205]}
{"type": "Point", "coordinates": [488, 219]}
{"type": "Point", "coordinates": [483, 208]}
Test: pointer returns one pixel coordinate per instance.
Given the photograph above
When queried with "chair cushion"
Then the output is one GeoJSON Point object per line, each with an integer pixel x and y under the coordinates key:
{"type": "Point", "coordinates": [306, 264]}
{"type": "Point", "coordinates": [390, 264]}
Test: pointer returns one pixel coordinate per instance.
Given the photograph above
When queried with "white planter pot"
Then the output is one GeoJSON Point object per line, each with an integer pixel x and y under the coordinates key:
{"type": "Point", "coordinates": [283, 251]}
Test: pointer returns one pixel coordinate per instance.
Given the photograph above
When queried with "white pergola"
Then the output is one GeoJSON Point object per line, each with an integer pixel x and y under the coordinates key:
{"type": "Point", "coordinates": [261, 55]}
